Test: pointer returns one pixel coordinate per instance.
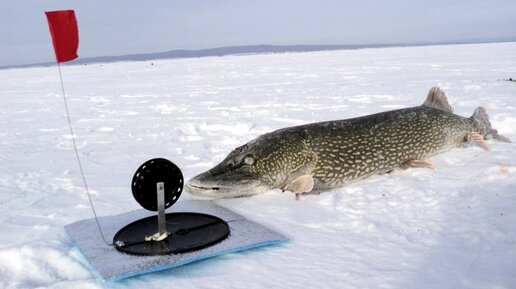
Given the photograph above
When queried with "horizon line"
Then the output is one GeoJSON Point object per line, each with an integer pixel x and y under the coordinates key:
{"type": "Point", "coordinates": [255, 49]}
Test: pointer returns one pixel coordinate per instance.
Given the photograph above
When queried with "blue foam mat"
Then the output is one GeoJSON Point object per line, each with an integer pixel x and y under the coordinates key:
{"type": "Point", "coordinates": [110, 264]}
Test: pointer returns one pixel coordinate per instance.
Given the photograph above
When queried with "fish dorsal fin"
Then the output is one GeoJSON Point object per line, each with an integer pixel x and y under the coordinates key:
{"type": "Point", "coordinates": [437, 99]}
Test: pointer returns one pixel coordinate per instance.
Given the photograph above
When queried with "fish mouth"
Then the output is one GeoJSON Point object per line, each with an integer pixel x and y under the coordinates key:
{"type": "Point", "coordinates": [200, 190]}
{"type": "Point", "coordinates": [203, 186]}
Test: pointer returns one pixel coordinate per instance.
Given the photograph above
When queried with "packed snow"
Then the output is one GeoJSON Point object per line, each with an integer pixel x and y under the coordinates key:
{"type": "Point", "coordinates": [452, 227]}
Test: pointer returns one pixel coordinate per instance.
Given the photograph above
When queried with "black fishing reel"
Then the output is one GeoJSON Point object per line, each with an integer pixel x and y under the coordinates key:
{"type": "Point", "coordinates": [151, 173]}
{"type": "Point", "coordinates": [157, 185]}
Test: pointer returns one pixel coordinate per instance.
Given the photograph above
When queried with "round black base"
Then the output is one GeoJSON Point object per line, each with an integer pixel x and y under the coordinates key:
{"type": "Point", "coordinates": [187, 232]}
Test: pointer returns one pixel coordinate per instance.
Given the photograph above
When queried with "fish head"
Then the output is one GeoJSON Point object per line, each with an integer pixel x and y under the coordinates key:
{"type": "Point", "coordinates": [256, 167]}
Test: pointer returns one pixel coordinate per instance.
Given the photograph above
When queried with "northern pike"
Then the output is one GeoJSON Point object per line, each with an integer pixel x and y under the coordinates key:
{"type": "Point", "coordinates": [330, 154]}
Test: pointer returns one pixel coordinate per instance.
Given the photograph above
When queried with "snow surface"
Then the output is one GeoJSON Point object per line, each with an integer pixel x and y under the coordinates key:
{"type": "Point", "coordinates": [453, 227]}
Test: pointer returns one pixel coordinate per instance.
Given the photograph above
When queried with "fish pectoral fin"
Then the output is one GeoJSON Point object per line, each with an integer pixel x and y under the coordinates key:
{"type": "Point", "coordinates": [303, 184]}
{"type": "Point", "coordinates": [478, 139]}
{"type": "Point", "coordinates": [418, 164]}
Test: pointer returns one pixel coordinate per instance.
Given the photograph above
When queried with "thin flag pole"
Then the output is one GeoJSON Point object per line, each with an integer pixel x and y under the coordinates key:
{"type": "Point", "coordinates": [77, 155]}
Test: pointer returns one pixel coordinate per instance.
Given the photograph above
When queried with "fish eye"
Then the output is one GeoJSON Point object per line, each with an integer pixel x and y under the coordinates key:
{"type": "Point", "coordinates": [249, 160]}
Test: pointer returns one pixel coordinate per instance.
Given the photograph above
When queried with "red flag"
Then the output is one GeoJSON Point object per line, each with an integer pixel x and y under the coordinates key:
{"type": "Point", "coordinates": [65, 35]}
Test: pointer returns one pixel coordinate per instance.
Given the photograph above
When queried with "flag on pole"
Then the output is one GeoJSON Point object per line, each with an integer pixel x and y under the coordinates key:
{"type": "Point", "coordinates": [65, 38]}
{"type": "Point", "coordinates": [65, 35]}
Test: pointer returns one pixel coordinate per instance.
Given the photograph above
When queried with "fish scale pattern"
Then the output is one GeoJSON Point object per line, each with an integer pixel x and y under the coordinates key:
{"type": "Point", "coordinates": [352, 149]}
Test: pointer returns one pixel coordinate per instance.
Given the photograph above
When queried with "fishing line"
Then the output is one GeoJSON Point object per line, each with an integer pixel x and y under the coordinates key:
{"type": "Point", "coordinates": [79, 159]}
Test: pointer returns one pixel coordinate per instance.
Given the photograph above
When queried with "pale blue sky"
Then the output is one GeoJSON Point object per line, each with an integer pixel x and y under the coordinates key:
{"type": "Point", "coordinates": [117, 27]}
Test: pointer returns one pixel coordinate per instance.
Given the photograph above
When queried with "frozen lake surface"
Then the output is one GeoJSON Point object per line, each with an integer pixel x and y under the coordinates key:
{"type": "Point", "coordinates": [452, 227]}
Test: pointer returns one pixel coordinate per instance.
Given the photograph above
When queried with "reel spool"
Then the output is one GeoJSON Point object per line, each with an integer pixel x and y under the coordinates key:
{"type": "Point", "coordinates": [148, 175]}
{"type": "Point", "coordinates": [157, 184]}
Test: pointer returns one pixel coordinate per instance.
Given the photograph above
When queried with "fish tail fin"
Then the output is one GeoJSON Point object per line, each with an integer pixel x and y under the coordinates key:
{"type": "Point", "coordinates": [481, 116]}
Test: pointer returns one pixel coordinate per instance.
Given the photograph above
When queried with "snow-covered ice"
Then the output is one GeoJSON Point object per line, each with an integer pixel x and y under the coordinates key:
{"type": "Point", "coordinates": [453, 227]}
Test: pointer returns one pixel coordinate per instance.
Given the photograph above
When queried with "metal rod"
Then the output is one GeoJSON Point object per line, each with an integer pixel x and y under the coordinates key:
{"type": "Point", "coordinates": [162, 226]}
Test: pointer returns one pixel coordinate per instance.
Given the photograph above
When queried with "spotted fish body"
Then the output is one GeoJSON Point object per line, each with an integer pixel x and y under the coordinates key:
{"type": "Point", "coordinates": [356, 148]}
{"type": "Point", "coordinates": [331, 154]}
